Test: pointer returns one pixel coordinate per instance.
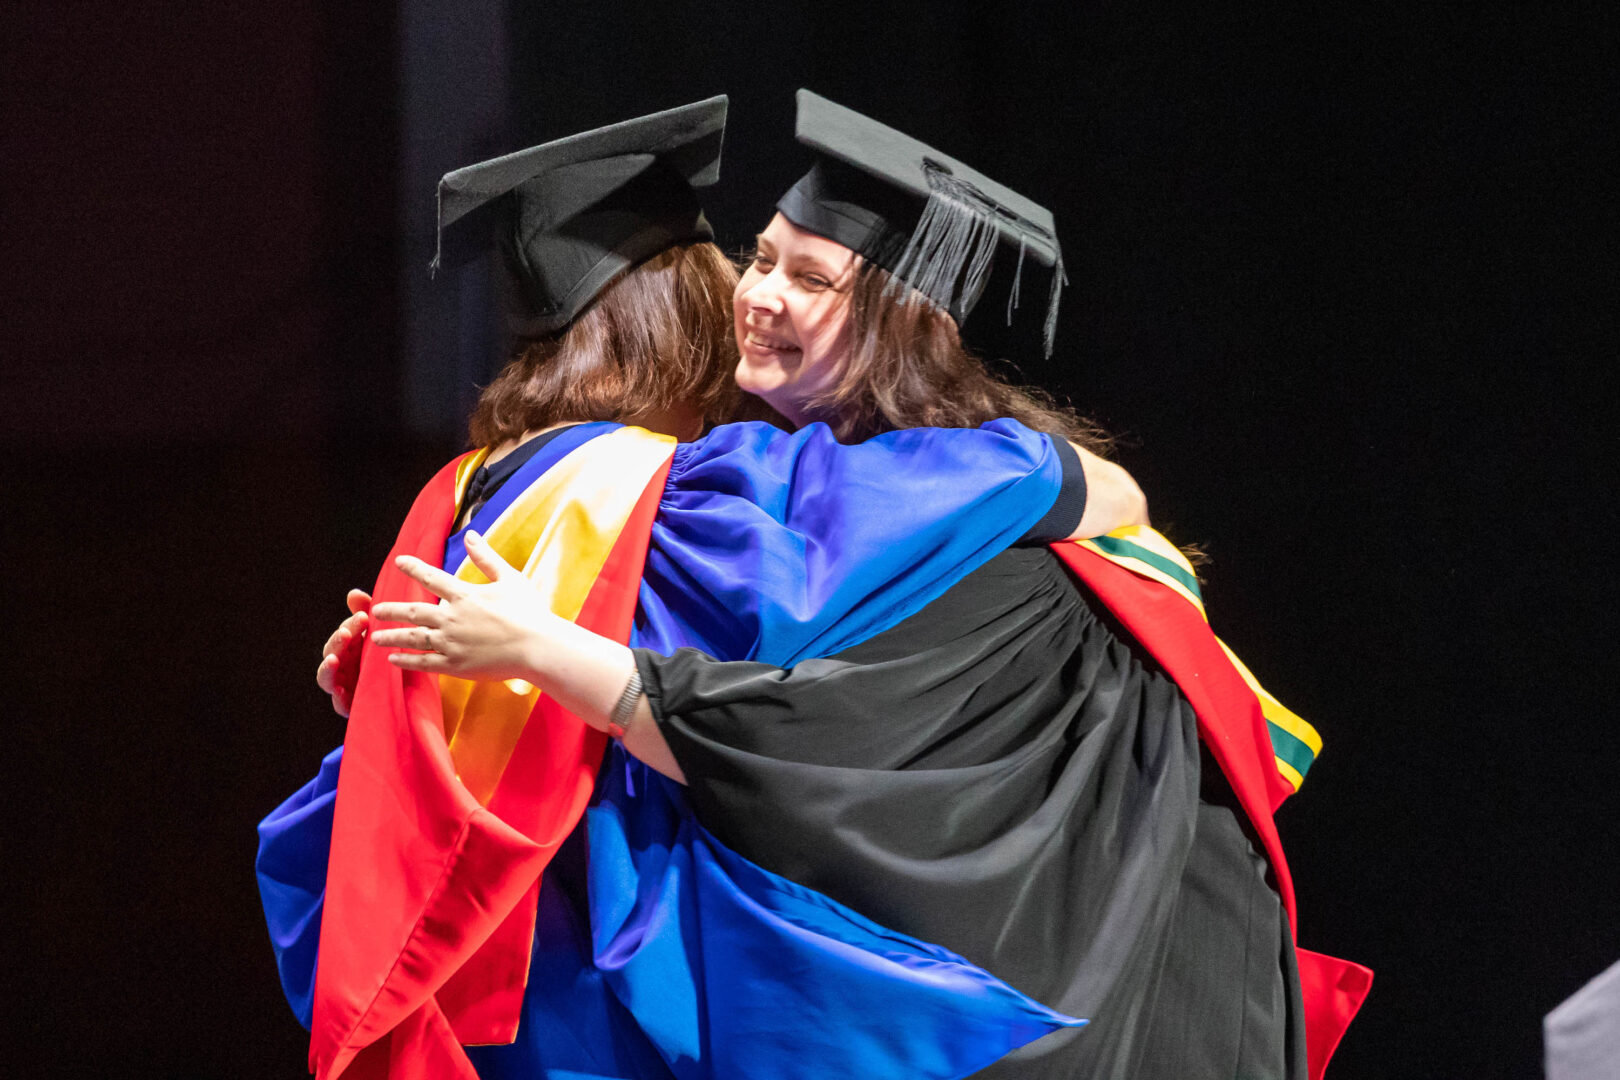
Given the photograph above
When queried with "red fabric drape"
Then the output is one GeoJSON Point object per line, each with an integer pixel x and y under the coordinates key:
{"type": "Point", "coordinates": [1234, 729]}
{"type": "Point", "coordinates": [430, 897]}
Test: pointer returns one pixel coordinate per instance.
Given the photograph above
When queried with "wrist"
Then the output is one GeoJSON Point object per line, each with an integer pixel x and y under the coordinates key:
{"type": "Point", "coordinates": [543, 648]}
{"type": "Point", "coordinates": [625, 708]}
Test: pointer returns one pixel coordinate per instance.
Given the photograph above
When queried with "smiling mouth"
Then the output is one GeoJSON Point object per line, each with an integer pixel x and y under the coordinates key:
{"type": "Point", "coordinates": [769, 344]}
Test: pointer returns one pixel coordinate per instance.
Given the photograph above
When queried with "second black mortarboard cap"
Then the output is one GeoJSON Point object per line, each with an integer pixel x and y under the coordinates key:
{"type": "Point", "coordinates": [569, 216]}
{"type": "Point", "coordinates": [931, 221]}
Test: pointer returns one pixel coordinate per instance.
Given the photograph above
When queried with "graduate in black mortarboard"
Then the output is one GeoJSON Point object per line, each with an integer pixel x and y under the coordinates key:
{"type": "Point", "coordinates": [1021, 779]}
{"type": "Point", "coordinates": [763, 545]}
{"type": "Point", "coordinates": [1014, 770]}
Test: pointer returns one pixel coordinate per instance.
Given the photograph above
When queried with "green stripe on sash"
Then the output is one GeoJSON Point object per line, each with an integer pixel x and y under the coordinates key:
{"type": "Point", "coordinates": [1291, 749]}
{"type": "Point", "coordinates": [1125, 549]}
{"type": "Point", "coordinates": [1293, 741]}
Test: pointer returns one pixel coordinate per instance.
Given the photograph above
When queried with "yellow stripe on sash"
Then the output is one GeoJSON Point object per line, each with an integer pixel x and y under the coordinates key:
{"type": "Point", "coordinates": [559, 531]}
{"type": "Point", "coordinates": [1294, 739]}
{"type": "Point", "coordinates": [1276, 711]}
{"type": "Point", "coordinates": [1144, 551]}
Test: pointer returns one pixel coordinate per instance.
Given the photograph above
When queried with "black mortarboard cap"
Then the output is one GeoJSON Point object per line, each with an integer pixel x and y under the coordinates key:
{"type": "Point", "coordinates": [931, 221]}
{"type": "Point", "coordinates": [571, 215]}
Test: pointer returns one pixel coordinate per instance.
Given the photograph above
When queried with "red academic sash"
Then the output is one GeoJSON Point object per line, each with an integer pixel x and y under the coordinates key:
{"type": "Point", "coordinates": [431, 894]}
{"type": "Point", "coordinates": [1233, 727]}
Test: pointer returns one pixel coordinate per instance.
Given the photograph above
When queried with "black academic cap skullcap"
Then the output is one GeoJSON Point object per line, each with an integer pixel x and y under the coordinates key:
{"type": "Point", "coordinates": [931, 221]}
{"type": "Point", "coordinates": [571, 215]}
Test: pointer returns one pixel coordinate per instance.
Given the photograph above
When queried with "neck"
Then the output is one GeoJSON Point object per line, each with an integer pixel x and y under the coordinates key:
{"type": "Point", "coordinates": [500, 450]}
{"type": "Point", "coordinates": [682, 421]}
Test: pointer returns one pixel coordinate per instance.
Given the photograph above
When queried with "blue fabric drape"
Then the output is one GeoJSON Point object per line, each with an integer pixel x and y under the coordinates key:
{"type": "Point", "coordinates": [663, 953]}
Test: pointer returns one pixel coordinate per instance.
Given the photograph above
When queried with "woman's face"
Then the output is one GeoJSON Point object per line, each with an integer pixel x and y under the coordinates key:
{"type": "Point", "coordinates": [792, 315]}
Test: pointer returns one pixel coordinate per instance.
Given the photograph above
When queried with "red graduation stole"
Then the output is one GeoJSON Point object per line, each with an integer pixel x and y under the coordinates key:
{"type": "Point", "coordinates": [452, 799]}
{"type": "Point", "coordinates": [1144, 581]}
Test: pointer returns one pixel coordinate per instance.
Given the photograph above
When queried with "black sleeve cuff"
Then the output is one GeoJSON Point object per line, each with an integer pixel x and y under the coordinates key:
{"type": "Point", "coordinates": [651, 667]}
{"type": "Point", "coordinates": [1060, 522]}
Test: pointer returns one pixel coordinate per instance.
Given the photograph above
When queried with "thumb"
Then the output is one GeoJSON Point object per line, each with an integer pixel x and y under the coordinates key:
{"type": "Point", "coordinates": [358, 600]}
{"type": "Point", "coordinates": [487, 559]}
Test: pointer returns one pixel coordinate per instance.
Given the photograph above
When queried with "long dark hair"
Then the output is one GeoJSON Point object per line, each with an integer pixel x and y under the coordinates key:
{"type": "Point", "coordinates": [661, 333]}
{"type": "Point", "coordinates": [907, 367]}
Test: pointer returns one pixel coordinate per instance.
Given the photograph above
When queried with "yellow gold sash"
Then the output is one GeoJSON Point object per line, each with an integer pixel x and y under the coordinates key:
{"type": "Point", "coordinates": [559, 531]}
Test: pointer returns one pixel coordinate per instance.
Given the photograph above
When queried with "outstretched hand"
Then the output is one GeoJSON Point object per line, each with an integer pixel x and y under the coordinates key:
{"type": "Point", "coordinates": [475, 631]}
{"type": "Point", "coordinates": [339, 668]}
{"type": "Point", "coordinates": [504, 630]}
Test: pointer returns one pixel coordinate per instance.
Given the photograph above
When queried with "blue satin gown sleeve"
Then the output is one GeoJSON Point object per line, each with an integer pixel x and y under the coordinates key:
{"type": "Point", "coordinates": [781, 547]}
{"type": "Point", "coordinates": [291, 867]}
{"type": "Point", "coordinates": [775, 546]}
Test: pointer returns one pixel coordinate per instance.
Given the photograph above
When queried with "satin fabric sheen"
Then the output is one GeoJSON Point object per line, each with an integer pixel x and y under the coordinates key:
{"type": "Point", "coordinates": [431, 893]}
{"type": "Point", "coordinates": [759, 551]}
{"type": "Point", "coordinates": [1063, 765]}
{"type": "Point", "coordinates": [999, 774]}
{"type": "Point", "coordinates": [293, 845]}
{"type": "Point", "coordinates": [1232, 725]}
{"type": "Point", "coordinates": [776, 547]}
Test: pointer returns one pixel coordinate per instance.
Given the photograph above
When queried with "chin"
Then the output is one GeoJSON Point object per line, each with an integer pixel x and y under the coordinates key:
{"type": "Point", "coordinates": [749, 378]}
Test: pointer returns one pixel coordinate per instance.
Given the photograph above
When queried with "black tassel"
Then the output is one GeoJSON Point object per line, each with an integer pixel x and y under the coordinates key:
{"type": "Point", "coordinates": [438, 233]}
{"type": "Point", "coordinates": [948, 256]}
{"type": "Point", "coordinates": [1018, 278]}
{"type": "Point", "coordinates": [1059, 279]}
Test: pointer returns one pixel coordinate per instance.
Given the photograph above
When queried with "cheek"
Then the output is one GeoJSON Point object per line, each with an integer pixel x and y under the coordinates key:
{"type": "Point", "coordinates": [828, 347]}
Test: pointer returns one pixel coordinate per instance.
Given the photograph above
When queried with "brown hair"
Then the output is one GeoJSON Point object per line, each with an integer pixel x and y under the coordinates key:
{"type": "Point", "coordinates": [907, 367]}
{"type": "Point", "coordinates": [660, 333]}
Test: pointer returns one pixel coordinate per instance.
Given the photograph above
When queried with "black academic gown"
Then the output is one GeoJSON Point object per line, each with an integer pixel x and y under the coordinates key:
{"type": "Point", "coordinates": [1006, 774]}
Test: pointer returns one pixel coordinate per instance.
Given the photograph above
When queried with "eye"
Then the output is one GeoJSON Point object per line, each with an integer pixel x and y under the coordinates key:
{"type": "Point", "coordinates": [761, 261]}
{"type": "Point", "coordinates": [816, 282]}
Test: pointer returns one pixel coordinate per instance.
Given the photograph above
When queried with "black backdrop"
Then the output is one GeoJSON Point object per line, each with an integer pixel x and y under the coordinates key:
{"type": "Point", "coordinates": [1343, 278]}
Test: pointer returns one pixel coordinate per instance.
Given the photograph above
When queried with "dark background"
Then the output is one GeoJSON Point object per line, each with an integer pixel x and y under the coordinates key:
{"type": "Point", "coordinates": [1343, 277]}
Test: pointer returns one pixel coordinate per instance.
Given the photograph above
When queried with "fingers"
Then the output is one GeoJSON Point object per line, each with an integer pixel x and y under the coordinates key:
{"type": "Point", "coordinates": [431, 578]}
{"type": "Point", "coordinates": [408, 637]}
{"type": "Point", "coordinates": [355, 625]}
{"type": "Point", "coordinates": [350, 628]}
{"type": "Point", "coordinates": [399, 611]}
{"type": "Point", "coordinates": [326, 674]}
{"type": "Point", "coordinates": [326, 677]}
{"type": "Point", "coordinates": [420, 661]}
{"type": "Point", "coordinates": [359, 603]}
{"type": "Point", "coordinates": [487, 559]}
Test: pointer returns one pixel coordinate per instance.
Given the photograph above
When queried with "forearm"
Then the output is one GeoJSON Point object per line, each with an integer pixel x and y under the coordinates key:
{"type": "Point", "coordinates": [1113, 499]}
{"type": "Point", "coordinates": [586, 674]}
{"type": "Point", "coordinates": [502, 630]}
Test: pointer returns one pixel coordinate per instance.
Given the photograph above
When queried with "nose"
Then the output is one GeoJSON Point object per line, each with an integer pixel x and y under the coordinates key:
{"type": "Point", "coordinates": [765, 294]}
